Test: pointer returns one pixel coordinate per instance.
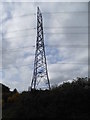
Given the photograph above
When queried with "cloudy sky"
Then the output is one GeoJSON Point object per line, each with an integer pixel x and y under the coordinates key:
{"type": "Point", "coordinates": [66, 40]}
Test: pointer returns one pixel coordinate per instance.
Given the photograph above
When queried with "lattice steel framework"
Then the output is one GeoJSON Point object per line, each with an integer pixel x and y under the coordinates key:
{"type": "Point", "coordinates": [40, 74]}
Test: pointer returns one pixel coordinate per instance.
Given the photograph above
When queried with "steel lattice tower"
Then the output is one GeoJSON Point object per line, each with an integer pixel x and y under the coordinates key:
{"type": "Point", "coordinates": [40, 74]}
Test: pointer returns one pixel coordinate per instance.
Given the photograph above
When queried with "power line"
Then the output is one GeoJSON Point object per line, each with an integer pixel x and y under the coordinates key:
{"type": "Point", "coordinates": [21, 30]}
{"type": "Point", "coordinates": [44, 34]}
{"type": "Point", "coordinates": [50, 63]}
{"type": "Point", "coordinates": [72, 63]}
{"type": "Point", "coordinates": [25, 15]}
{"type": "Point", "coordinates": [64, 27]}
{"type": "Point", "coordinates": [64, 12]}
{"type": "Point", "coordinates": [27, 47]}
{"type": "Point", "coordinates": [53, 13]}
{"type": "Point", "coordinates": [16, 66]}
{"type": "Point", "coordinates": [67, 27]}
{"type": "Point", "coordinates": [70, 46]}
{"type": "Point", "coordinates": [16, 50]}
{"type": "Point", "coordinates": [64, 33]}
{"type": "Point", "coordinates": [18, 37]}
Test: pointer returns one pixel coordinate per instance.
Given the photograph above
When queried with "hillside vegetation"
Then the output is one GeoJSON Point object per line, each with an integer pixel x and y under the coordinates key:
{"type": "Point", "coordinates": [69, 101]}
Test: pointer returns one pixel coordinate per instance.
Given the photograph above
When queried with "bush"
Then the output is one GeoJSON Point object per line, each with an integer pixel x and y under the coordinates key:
{"type": "Point", "coordinates": [13, 98]}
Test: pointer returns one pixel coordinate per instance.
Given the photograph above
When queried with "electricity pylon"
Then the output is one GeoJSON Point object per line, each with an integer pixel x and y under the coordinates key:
{"type": "Point", "coordinates": [40, 74]}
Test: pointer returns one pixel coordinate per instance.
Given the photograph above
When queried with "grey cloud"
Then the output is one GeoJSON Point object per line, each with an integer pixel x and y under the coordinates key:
{"type": "Point", "coordinates": [57, 72]}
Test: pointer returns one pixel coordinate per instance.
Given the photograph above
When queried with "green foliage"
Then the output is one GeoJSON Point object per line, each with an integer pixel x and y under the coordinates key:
{"type": "Point", "coordinates": [68, 101]}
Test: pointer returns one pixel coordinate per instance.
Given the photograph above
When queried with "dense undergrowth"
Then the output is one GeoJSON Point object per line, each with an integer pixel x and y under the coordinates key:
{"type": "Point", "coordinates": [69, 101]}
